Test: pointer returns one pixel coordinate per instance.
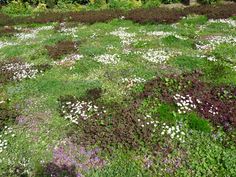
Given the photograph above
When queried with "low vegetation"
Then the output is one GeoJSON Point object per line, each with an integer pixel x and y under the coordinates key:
{"type": "Point", "coordinates": [111, 93]}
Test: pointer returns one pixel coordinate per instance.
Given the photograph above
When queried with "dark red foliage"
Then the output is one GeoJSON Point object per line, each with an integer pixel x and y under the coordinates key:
{"type": "Point", "coordinates": [212, 97]}
{"type": "Point", "coordinates": [119, 126]}
{"type": "Point", "coordinates": [220, 99]}
{"type": "Point", "coordinates": [213, 11]}
{"type": "Point", "coordinates": [61, 48]}
{"type": "Point", "coordinates": [155, 15]}
{"type": "Point", "coordinates": [161, 15]}
{"type": "Point", "coordinates": [93, 94]}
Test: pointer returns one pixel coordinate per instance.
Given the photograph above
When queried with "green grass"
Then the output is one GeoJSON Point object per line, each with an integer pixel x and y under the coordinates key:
{"type": "Point", "coordinates": [123, 164]}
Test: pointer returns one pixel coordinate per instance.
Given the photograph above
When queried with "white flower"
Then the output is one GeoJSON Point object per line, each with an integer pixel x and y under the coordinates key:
{"type": "Point", "coordinates": [132, 81]}
{"type": "Point", "coordinates": [32, 33]}
{"type": "Point", "coordinates": [69, 59]}
{"type": "Point", "coordinates": [80, 110]}
{"type": "Point", "coordinates": [162, 34]}
{"type": "Point", "coordinates": [5, 44]}
{"type": "Point", "coordinates": [214, 41]}
{"type": "Point", "coordinates": [159, 56]}
{"type": "Point", "coordinates": [230, 22]}
{"type": "Point", "coordinates": [69, 31]}
{"type": "Point", "coordinates": [20, 70]}
{"type": "Point", "coordinates": [126, 38]}
{"type": "Point", "coordinates": [108, 58]}
{"type": "Point", "coordinates": [185, 104]}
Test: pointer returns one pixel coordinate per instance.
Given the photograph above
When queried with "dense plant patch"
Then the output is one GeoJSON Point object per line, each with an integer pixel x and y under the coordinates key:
{"type": "Point", "coordinates": [154, 15]}
{"type": "Point", "coordinates": [17, 70]}
{"type": "Point", "coordinates": [215, 103]}
{"type": "Point", "coordinates": [129, 128]}
{"type": "Point", "coordinates": [61, 48]}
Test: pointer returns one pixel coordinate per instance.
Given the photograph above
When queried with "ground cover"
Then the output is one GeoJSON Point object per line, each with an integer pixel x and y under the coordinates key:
{"type": "Point", "coordinates": [119, 98]}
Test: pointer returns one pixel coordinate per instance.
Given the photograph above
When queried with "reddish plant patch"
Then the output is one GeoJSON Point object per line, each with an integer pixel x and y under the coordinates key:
{"type": "Point", "coordinates": [214, 103]}
{"type": "Point", "coordinates": [121, 125]}
{"type": "Point", "coordinates": [155, 15]}
{"type": "Point", "coordinates": [161, 15]}
{"type": "Point", "coordinates": [93, 94]}
{"type": "Point", "coordinates": [61, 48]}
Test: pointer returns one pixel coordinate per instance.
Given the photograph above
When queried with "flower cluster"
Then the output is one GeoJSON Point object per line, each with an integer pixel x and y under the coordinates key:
{"type": "Point", "coordinates": [159, 33]}
{"type": "Point", "coordinates": [19, 71]}
{"type": "Point", "coordinates": [110, 47]}
{"type": "Point", "coordinates": [5, 44]}
{"type": "Point", "coordinates": [69, 31]}
{"type": "Point", "coordinates": [108, 58]}
{"type": "Point", "coordinates": [79, 110]}
{"type": "Point", "coordinates": [209, 58]}
{"type": "Point", "coordinates": [175, 132]}
{"type": "Point", "coordinates": [214, 41]}
{"type": "Point", "coordinates": [31, 33]}
{"type": "Point", "coordinates": [185, 103]}
{"type": "Point", "coordinates": [132, 81]}
{"type": "Point", "coordinates": [44, 28]}
{"type": "Point", "coordinates": [3, 141]}
{"type": "Point", "coordinates": [69, 154]}
{"type": "Point", "coordinates": [69, 60]}
{"type": "Point", "coordinates": [126, 38]}
{"type": "Point", "coordinates": [213, 110]}
{"type": "Point", "coordinates": [230, 22]}
{"type": "Point", "coordinates": [234, 68]}
{"type": "Point", "coordinates": [148, 121]}
{"type": "Point", "coordinates": [158, 56]}
{"type": "Point", "coordinates": [162, 34]}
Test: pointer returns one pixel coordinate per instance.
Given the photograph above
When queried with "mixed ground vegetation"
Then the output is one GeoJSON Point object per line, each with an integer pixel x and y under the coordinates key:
{"type": "Point", "coordinates": [117, 93]}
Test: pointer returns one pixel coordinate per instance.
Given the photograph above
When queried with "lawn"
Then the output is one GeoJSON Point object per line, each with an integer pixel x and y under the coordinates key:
{"type": "Point", "coordinates": [118, 98]}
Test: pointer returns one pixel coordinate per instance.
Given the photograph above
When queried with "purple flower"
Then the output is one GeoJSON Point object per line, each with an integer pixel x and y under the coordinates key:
{"type": "Point", "coordinates": [68, 155]}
